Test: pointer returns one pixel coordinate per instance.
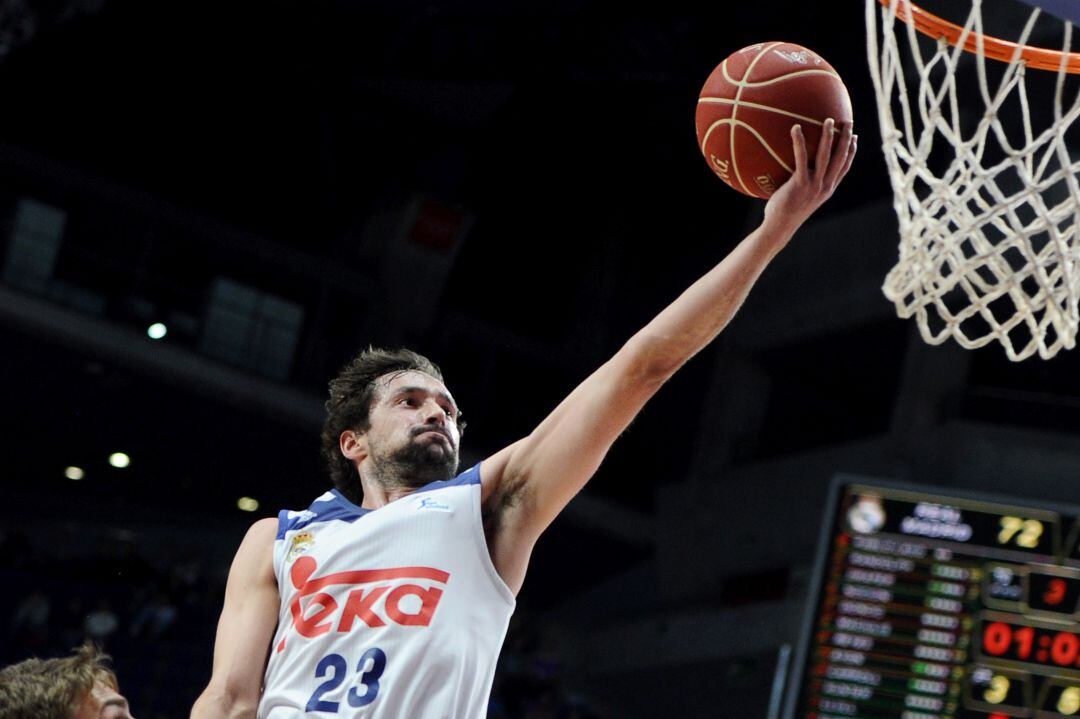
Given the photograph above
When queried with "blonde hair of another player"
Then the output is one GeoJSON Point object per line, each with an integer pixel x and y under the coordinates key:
{"type": "Point", "coordinates": [53, 688]}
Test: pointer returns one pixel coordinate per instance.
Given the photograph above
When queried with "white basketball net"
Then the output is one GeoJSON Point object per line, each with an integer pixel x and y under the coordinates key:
{"type": "Point", "coordinates": [988, 243]}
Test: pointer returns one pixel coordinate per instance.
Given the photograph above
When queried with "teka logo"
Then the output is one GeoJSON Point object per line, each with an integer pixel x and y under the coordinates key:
{"type": "Point", "coordinates": [407, 603]}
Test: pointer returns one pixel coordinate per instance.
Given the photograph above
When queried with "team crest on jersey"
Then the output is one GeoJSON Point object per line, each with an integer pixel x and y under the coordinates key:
{"type": "Point", "coordinates": [300, 543]}
{"type": "Point", "coordinates": [372, 598]}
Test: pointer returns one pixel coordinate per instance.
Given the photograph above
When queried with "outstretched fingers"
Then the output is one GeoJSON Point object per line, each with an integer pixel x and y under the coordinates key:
{"type": "Point", "coordinates": [813, 183]}
{"type": "Point", "coordinates": [824, 150]}
{"type": "Point", "coordinates": [840, 161]}
{"type": "Point", "coordinates": [852, 149]}
{"type": "Point", "coordinates": [798, 143]}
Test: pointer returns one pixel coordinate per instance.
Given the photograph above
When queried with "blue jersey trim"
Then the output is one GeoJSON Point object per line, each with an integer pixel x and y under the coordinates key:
{"type": "Point", "coordinates": [341, 502]}
{"type": "Point", "coordinates": [338, 507]}
{"type": "Point", "coordinates": [282, 523]}
{"type": "Point", "coordinates": [469, 476]}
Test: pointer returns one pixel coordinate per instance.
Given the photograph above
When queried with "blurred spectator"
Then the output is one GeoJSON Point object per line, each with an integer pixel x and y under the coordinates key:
{"type": "Point", "coordinates": [101, 623]}
{"type": "Point", "coordinates": [187, 571]}
{"type": "Point", "coordinates": [155, 617]}
{"type": "Point", "coordinates": [80, 686]}
{"type": "Point", "coordinates": [30, 623]}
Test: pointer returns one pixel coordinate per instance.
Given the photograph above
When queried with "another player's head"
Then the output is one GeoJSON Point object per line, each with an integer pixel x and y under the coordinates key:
{"type": "Point", "coordinates": [393, 412]}
{"type": "Point", "coordinates": [80, 686]}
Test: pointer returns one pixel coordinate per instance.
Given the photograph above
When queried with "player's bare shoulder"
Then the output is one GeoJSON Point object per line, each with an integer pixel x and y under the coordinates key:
{"type": "Point", "coordinates": [255, 557]}
{"type": "Point", "coordinates": [262, 531]}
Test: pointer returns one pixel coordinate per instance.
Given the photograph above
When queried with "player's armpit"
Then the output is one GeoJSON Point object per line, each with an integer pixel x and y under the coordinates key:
{"type": "Point", "coordinates": [528, 483]}
{"type": "Point", "coordinates": [245, 629]}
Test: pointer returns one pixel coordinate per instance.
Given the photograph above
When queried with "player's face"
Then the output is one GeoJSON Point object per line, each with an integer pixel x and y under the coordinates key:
{"type": "Point", "coordinates": [414, 434]}
{"type": "Point", "coordinates": [103, 702]}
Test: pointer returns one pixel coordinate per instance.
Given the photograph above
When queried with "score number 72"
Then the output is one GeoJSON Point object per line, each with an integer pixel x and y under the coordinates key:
{"type": "Point", "coordinates": [1026, 532]}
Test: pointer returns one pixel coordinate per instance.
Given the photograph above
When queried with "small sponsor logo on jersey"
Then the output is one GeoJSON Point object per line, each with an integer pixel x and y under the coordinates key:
{"type": "Point", "coordinates": [300, 544]}
{"type": "Point", "coordinates": [430, 503]}
{"type": "Point", "coordinates": [373, 598]}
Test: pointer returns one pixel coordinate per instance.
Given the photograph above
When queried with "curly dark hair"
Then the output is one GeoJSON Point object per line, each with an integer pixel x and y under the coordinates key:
{"type": "Point", "coordinates": [53, 688]}
{"type": "Point", "coordinates": [352, 393]}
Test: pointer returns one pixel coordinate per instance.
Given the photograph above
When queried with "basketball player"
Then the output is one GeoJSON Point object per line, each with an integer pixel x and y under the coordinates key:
{"type": "Point", "coordinates": [77, 687]}
{"type": "Point", "coordinates": [390, 595]}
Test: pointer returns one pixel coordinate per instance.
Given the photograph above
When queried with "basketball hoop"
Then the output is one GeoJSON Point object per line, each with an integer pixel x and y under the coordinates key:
{"type": "Point", "coordinates": [987, 202]}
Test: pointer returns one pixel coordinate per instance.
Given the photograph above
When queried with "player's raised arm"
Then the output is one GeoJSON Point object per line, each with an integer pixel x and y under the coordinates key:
{"type": "Point", "coordinates": [531, 481]}
{"type": "Point", "coordinates": [245, 629]}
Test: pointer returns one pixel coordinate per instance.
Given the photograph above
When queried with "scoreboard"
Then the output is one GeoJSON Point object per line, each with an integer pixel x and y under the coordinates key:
{"type": "Point", "coordinates": [930, 604]}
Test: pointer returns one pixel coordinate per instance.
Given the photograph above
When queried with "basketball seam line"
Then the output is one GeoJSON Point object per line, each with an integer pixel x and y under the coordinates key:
{"type": "Point", "coordinates": [768, 148]}
{"type": "Point", "coordinates": [735, 111]}
{"type": "Point", "coordinates": [757, 106]}
{"type": "Point", "coordinates": [763, 83]}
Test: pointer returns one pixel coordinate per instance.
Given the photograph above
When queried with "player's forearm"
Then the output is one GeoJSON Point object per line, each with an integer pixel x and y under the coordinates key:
{"type": "Point", "coordinates": [215, 703]}
{"type": "Point", "coordinates": [699, 314]}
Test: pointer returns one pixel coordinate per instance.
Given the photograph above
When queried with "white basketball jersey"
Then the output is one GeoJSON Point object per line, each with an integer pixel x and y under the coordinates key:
{"type": "Point", "coordinates": [388, 613]}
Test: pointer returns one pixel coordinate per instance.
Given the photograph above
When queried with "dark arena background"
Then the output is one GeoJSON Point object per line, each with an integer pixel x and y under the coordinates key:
{"type": "Point", "coordinates": [207, 208]}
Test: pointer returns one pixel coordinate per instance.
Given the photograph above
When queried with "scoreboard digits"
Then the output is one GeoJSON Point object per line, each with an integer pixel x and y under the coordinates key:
{"type": "Point", "coordinates": [942, 607]}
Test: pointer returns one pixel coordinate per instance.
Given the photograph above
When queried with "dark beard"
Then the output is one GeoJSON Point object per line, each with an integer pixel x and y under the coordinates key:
{"type": "Point", "coordinates": [415, 465]}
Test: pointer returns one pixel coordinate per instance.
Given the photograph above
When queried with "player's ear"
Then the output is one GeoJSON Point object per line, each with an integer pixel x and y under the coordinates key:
{"type": "Point", "coordinates": [353, 444]}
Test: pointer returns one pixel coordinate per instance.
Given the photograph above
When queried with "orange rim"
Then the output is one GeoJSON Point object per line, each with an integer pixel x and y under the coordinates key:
{"type": "Point", "coordinates": [935, 27]}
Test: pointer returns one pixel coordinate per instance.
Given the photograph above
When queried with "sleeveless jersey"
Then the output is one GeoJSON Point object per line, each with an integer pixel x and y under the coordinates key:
{"type": "Point", "coordinates": [387, 613]}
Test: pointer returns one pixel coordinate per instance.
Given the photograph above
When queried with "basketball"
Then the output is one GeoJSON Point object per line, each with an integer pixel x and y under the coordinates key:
{"type": "Point", "coordinates": [750, 102]}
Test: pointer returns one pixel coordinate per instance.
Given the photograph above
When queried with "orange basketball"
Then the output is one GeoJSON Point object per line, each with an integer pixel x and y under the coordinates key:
{"type": "Point", "coordinates": [749, 103]}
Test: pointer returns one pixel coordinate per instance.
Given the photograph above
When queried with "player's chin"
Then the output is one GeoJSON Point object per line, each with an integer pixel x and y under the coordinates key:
{"type": "Point", "coordinates": [424, 460]}
{"type": "Point", "coordinates": [438, 465]}
{"type": "Point", "coordinates": [443, 452]}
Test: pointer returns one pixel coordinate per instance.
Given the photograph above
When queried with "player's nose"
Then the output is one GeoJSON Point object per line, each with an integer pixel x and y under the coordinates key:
{"type": "Point", "coordinates": [433, 413]}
